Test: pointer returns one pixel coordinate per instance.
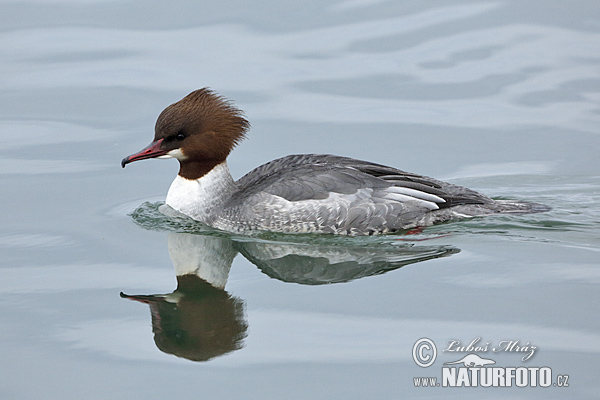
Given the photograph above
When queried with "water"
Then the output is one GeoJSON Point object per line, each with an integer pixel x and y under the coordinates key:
{"type": "Point", "coordinates": [501, 97]}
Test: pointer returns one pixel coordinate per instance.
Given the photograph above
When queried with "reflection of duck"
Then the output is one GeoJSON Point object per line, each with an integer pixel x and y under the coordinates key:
{"type": "Point", "coordinates": [315, 264]}
{"type": "Point", "coordinates": [299, 193]}
{"type": "Point", "coordinates": [200, 320]}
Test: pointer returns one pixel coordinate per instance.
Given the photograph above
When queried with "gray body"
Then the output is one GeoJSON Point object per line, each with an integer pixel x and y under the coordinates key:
{"type": "Point", "coordinates": [331, 194]}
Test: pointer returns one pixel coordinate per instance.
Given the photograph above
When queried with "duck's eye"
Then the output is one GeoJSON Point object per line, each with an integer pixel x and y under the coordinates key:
{"type": "Point", "coordinates": [180, 136]}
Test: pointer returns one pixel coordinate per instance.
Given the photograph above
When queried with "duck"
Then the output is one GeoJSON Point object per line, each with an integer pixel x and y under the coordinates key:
{"type": "Point", "coordinates": [301, 193]}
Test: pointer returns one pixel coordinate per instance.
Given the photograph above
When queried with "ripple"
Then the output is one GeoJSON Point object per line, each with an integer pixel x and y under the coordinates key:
{"type": "Point", "coordinates": [502, 169]}
{"type": "Point", "coordinates": [38, 133]}
{"type": "Point", "coordinates": [17, 166]}
{"type": "Point", "coordinates": [32, 240]}
{"type": "Point", "coordinates": [156, 216]}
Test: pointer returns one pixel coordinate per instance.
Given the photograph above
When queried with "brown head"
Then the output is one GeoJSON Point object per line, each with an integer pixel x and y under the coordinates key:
{"type": "Point", "coordinates": [199, 130]}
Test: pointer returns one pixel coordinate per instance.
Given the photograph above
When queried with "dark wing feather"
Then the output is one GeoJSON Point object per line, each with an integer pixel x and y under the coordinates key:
{"type": "Point", "coordinates": [452, 194]}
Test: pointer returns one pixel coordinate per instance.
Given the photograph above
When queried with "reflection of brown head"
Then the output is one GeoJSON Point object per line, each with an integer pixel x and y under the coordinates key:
{"type": "Point", "coordinates": [204, 322]}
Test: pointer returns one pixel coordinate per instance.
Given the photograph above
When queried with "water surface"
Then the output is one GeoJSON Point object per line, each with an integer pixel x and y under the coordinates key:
{"type": "Point", "coordinates": [498, 96]}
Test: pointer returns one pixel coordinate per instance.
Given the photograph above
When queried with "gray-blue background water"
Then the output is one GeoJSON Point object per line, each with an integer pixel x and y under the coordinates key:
{"type": "Point", "coordinates": [502, 97]}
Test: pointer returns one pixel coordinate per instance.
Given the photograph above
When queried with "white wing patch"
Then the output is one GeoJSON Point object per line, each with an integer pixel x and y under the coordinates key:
{"type": "Point", "coordinates": [415, 193]}
{"type": "Point", "coordinates": [402, 198]}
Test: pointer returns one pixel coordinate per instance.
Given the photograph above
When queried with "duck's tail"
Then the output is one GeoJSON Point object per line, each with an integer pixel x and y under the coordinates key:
{"type": "Point", "coordinates": [518, 207]}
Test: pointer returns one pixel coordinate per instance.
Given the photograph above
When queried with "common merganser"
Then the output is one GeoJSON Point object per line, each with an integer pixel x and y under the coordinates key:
{"type": "Point", "coordinates": [297, 193]}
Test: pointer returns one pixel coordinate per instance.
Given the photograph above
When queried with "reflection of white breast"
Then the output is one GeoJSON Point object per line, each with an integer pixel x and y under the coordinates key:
{"type": "Point", "coordinates": [208, 257]}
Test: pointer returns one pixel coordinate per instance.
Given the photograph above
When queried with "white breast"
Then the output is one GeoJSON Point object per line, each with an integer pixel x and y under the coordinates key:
{"type": "Point", "coordinates": [202, 199]}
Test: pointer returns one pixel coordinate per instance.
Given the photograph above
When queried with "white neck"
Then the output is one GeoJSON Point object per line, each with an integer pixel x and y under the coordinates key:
{"type": "Point", "coordinates": [202, 199]}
